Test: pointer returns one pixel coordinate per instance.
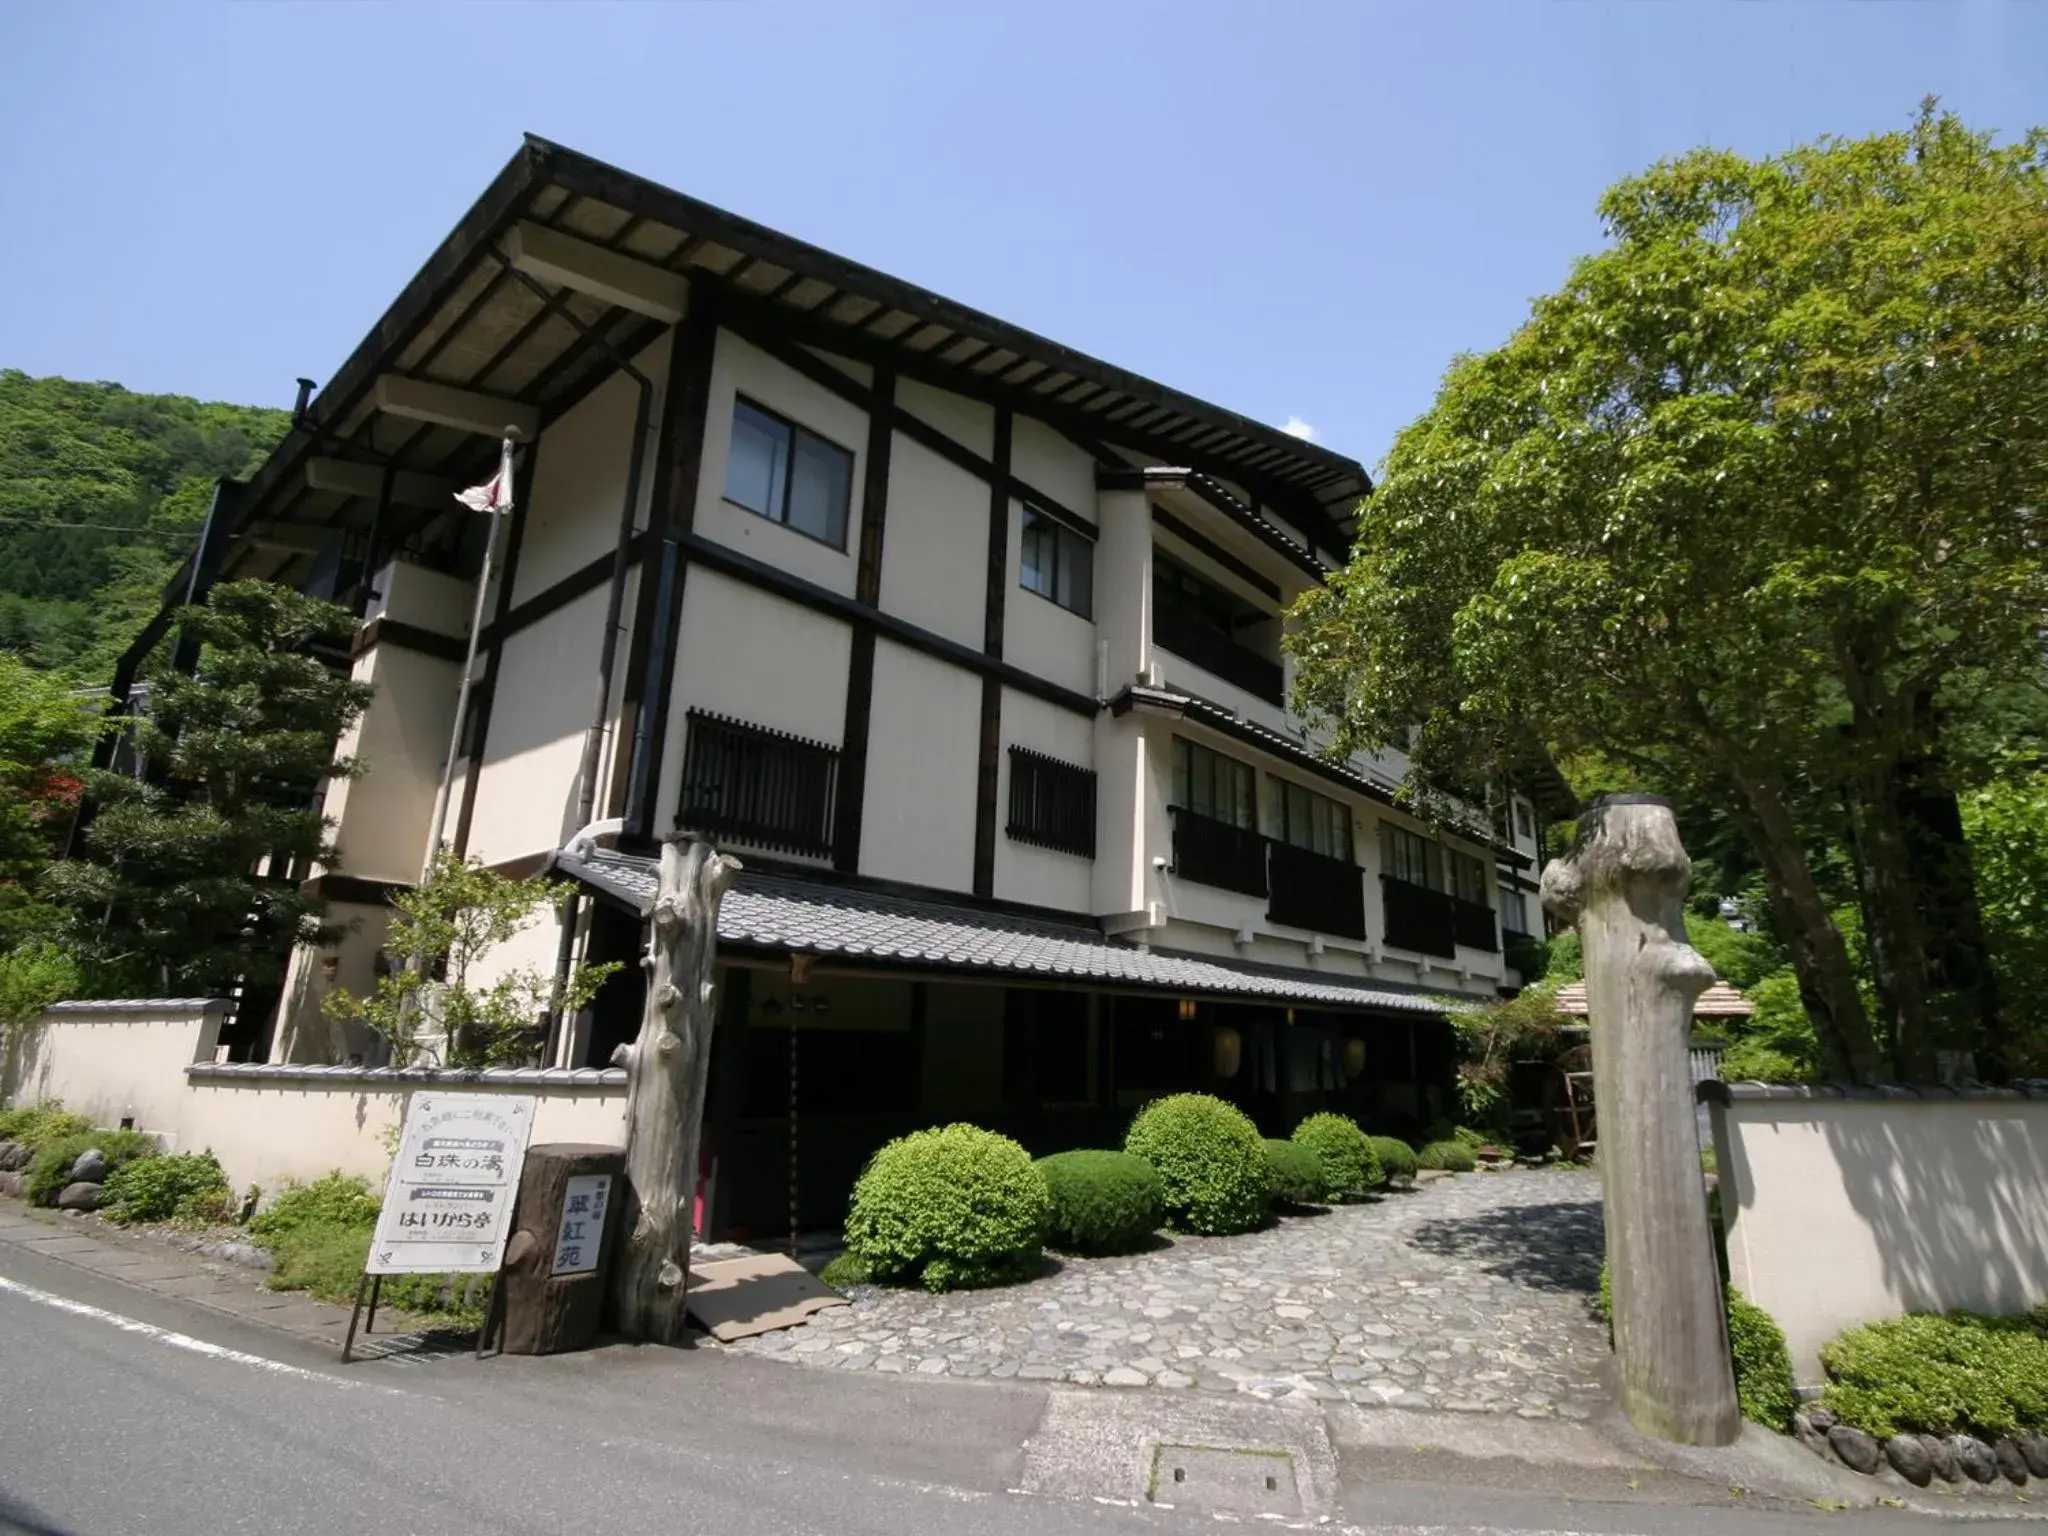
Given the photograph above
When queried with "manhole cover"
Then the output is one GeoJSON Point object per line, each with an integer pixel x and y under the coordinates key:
{"type": "Point", "coordinates": [1224, 1480]}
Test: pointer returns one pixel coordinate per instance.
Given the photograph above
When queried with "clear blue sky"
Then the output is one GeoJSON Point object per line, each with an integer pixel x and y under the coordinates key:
{"type": "Point", "coordinates": [1299, 210]}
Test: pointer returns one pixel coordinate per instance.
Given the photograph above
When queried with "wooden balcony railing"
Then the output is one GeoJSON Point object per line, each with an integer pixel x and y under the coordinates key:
{"type": "Point", "coordinates": [1419, 919]}
{"type": "Point", "coordinates": [1192, 640]}
{"type": "Point", "coordinates": [1213, 852]}
{"type": "Point", "coordinates": [1313, 890]}
{"type": "Point", "coordinates": [1473, 925]}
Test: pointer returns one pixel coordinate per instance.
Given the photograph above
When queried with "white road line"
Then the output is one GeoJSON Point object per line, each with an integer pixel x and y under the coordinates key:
{"type": "Point", "coordinates": [166, 1336]}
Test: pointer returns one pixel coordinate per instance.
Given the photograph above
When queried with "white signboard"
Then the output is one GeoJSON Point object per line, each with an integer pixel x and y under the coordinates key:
{"type": "Point", "coordinates": [448, 1204]}
{"type": "Point", "coordinates": [583, 1203]}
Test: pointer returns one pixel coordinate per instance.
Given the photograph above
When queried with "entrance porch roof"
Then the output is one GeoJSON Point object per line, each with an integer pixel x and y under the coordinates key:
{"type": "Point", "coordinates": [783, 912]}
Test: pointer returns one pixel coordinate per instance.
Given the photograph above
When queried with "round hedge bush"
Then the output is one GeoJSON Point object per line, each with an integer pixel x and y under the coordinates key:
{"type": "Point", "coordinates": [1447, 1156]}
{"type": "Point", "coordinates": [1350, 1166]}
{"type": "Point", "coordinates": [1210, 1159]}
{"type": "Point", "coordinates": [1397, 1158]}
{"type": "Point", "coordinates": [950, 1208]}
{"type": "Point", "coordinates": [187, 1186]}
{"type": "Point", "coordinates": [1296, 1173]}
{"type": "Point", "coordinates": [1102, 1202]}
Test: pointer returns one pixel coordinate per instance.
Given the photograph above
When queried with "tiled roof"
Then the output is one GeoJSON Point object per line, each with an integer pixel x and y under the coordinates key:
{"type": "Point", "coordinates": [1720, 1001]}
{"type": "Point", "coordinates": [789, 912]}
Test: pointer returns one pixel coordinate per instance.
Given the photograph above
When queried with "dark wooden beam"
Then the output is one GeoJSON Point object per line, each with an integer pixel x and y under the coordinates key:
{"type": "Point", "coordinates": [728, 561]}
{"type": "Point", "coordinates": [758, 330]}
{"type": "Point", "coordinates": [988, 765]}
{"type": "Point", "coordinates": [849, 813]}
{"type": "Point", "coordinates": [658, 620]}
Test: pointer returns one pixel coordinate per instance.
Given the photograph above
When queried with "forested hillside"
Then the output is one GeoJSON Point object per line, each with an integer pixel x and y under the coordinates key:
{"type": "Point", "coordinates": [101, 490]}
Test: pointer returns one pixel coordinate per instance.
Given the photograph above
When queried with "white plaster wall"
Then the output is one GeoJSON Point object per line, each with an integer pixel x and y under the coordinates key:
{"type": "Point", "coordinates": [754, 657]}
{"type": "Point", "coordinates": [923, 752]}
{"type": "Point", "coordinates": [1042, 876]}
{"type": "Point", "coordinates": [113, 1062]}
{"type": "Point", "coordinates": [1844, 1211]}
{"type": "Point", "coordinates": [1122, 880]}
{"type": "Point", "coordinates": [1123, 584]}
{"type": "Point", "coordinates": [579, 481]}
{"type": "Point", "coordinates": [1039, 635]}
{"type": "Point", "coordinates": [304, 1032]}
{"type": "Point", "coordinates": [739, 368]}
{"type": "Point", "coordinates": [381, 819]}
{"type": "Point", "coordinates": [1046, 461]}
{"type": "Point", "coordinates": [968, 422]}
{"type": "Point", "coordinates": [547, 679]}
{"type": "Point", "coordinates": [269, 1132]}
{"type": "Point", "coordinates": [935, 547]}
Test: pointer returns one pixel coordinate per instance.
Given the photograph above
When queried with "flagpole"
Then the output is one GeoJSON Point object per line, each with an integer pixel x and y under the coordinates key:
{"type": "Point", "coordinates": [497, 514]}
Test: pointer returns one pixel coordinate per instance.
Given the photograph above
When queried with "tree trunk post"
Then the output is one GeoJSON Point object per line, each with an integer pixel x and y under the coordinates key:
{"type": "Point", "coordinates": [666, 1069]}
{"type": "Point", "coordinates": [1624, 883]}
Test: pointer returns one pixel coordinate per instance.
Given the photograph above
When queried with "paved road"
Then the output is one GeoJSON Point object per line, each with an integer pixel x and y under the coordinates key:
{"type": "Point", "coordinates": [124, 1412]}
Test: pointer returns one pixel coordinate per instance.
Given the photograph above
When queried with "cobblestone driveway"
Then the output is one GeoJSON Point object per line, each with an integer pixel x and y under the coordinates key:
{"type": "Point", "coordinates": [1471, 1293]}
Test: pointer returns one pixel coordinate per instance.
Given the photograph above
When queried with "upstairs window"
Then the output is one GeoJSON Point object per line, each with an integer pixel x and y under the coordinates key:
{"type": "Point", "coordinates": [757, 786]}
{"type": "Point", "coordinates": [1057, 563]}
{"type": "Point", "coordinates": [1307, 820]}
{"type": "Point", "coordinates": [788, 474]}
{"type": "Point", "coordinates": [1410, 857]}
{"type": "Point", "coordinates": [1513, 915]}
{"type": "Point", "coordinates": [1468, 877]}
{"type": "Point", "coordinates": [1525, 821]}
{"type": "Point", "coordinates": [1212, 785]}
{"type": "Point", "coordinates": [1052, 804]}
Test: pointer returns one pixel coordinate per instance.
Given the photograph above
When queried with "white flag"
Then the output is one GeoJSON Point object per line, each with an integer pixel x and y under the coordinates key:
{"type": "Point", "coordinates": [495, 494]}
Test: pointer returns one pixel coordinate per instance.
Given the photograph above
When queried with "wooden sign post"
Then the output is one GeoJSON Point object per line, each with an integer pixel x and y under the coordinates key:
{"type": "Point", "coordinates": [1624, 885]}
{"type": "Point", "coordinates": [448, 1200]}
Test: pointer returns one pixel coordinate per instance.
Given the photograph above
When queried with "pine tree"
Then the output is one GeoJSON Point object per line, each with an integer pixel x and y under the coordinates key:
{"type": "Point", "coordinates": [189, 875]}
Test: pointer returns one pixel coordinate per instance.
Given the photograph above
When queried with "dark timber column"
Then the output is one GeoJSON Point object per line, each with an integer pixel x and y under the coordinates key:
{"type": "Point", "coordinates": [990, 762]}
{"type": "Point", "coordinates": [658, 613]}
{"type": "Point", "coordinates": [860, 666]}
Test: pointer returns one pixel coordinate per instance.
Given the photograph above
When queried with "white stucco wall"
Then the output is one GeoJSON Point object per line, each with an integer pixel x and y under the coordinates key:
{"type": "Point", "coordinates": [754, 657]}
{"type": "Point", "coordinates": [923, 760]}
{"type": "Point", "coordinates": [935, 547]}
{"type": "Point", "coordinates": [578, 486]}
{"type": "Point", "coordinates": [1041, 876]}
{"type": "Point", "coordinates": [381, 819]}
{"type": "Point", "coordinates": [1046, 461]}
{"type": "Point", "coordinates": [1844, 1211]}
{"type": "Point", "coordinates": [1039, 635]}
{"type": "Point", "coordinates": [969, 423]}
{"type": "Point", "coordinates": [739, 368]}
{"type": "Point", "coordinates": [128, 1060]}
{"type": "Point", "coordinates": [113, 1061]}
{"type": "Point", "coordinates": [547, 677]}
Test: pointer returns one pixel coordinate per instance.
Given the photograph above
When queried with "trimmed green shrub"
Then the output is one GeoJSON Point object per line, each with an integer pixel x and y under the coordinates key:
{"type": "Point", "coordinates": [187, 1187]}
{"type": "Point", "coordinates": [1350, 1166]}
{"type": "Point", "coordinates": [1764, 1387]}
{"type": "Point", "coordinates": [1211, 1162]}
{"type": "Point", "coordinates": [34, 1124]}
{"type": "Point", "coordinates": [51, 1169]}
{"type": "Point", "coordinates": [1763, 1366]}
{"type": "Point", "coordinates": [844, 1270]}
{"type": "Point", "coordinates": [1397, 1158]}
{"type": "Point", "coordinates": [1940, 1375]}
{"type": "Point", "coordinates": [951, 1208]}
{"type": "Point", "coordinates": [334, 1200]}
{"type": "Point", "coordinates": [1296, 1173]}
{"type": "Point", "coordinates": [1102, 1202]}
{"type": "Point", "coordinates": [1447, 1156]}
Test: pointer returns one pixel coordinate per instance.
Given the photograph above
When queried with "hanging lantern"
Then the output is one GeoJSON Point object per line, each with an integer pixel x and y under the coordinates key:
{"type": "Point", "coordinates": [1229, 1050]}
{"type": "Point", "coordinates": [1187, 1010]}
{"type": "Point", "coordinates": [1354, 1057]}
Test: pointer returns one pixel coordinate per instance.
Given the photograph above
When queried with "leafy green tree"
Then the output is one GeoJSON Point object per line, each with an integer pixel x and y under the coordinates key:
{"type": "Point", "coordinates": [45, 726]}
{"type": "Point", "coordinates": [444, 928]}
{"type": "Point", "coordinates": [190, 875]}
{"type": "Point", "coordinates": [1749, 507]}
{"type": "Point", "coordinates": [2007, 825]}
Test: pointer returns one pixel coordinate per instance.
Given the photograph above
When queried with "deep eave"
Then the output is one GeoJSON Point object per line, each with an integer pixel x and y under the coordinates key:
{"type": "Point", "coordinates": [465, 321]}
